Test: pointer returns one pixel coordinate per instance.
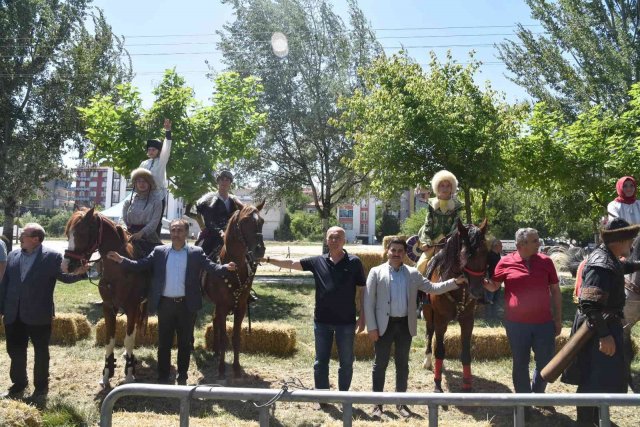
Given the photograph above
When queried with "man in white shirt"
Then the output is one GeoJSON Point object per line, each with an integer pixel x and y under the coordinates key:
{"type": "Point", "coordinates": [390, 313]}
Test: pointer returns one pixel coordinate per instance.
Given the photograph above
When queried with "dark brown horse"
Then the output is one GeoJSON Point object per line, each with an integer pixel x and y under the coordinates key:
{"type": "Point", "coordinates": [88, 232]}
{"type": "Point", "coordinates": [464, 253]}
{"type": "Point", "coordinates": [243, 244]}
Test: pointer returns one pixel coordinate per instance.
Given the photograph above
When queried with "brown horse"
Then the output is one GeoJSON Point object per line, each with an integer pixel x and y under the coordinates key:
{"type": "Point", "coordinates": [243, 244]}
{"type": "Point", "coordinates": [87, 232]}
{"type": "Point", "coordinates": [464, 253]}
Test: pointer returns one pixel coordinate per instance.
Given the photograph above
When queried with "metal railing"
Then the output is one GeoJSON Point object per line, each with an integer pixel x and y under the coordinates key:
{"type": "Point", "coordinates": [348, 398]}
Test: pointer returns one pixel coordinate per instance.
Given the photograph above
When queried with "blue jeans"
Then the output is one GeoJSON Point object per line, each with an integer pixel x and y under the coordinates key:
{"type": "Point", "coordinates": [345, 335]}
{"type": "Point", "coordinates": [523, 337]}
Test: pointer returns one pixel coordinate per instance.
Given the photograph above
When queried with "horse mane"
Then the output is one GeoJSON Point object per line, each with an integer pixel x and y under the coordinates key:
{"type": "Point", "coordinates": [122, 234]}
{"type": "Point", "coordinates": [451, 259]}
{"type": "Point", "coordinates": [246, 211]}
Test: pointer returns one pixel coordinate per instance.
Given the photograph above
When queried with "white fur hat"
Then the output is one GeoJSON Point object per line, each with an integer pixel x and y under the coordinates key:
{"type": "Point", "coordinates": [444, 175]}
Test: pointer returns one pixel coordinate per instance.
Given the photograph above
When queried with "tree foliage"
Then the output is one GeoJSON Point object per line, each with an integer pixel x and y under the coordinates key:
{"type": "Point", "coordinates": [50, 62]}
{"type": "Point", "coordinates": [408, 124]}
{"type": "Point", "coordinates": [587, 54]}
{"type": "Point", "coordinates": [300, 147]}
{"type": "Point", "coordinates": [580, 158]}
{"type": "Point", "coordinates": [204, 136]}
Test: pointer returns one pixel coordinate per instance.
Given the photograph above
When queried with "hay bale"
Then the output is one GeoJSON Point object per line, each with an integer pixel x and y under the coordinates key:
{"type": "Point", "coordinates": [369, 260]}
{"type": "Point", "coordinates": [269, 338]}
{"type": "Point", "coordinates": [148, 337]}
{"type": "Point", "coordinates": [63, 330]}
{"type": "Point", "coordinates": [17, 413]}
{"type": "Point", "coordinates": [1, 328]}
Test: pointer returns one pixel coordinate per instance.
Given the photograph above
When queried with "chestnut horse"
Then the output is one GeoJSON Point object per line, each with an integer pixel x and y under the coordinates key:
{"type": "Point", "coordinates": [464, 253]}
{"type": "Point", "coordinates": [87, 232]}
{"type": "Point", "coordinates": [243, 244]}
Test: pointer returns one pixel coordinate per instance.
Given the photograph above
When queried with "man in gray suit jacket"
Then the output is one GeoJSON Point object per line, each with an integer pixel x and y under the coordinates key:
{"type": "Point", "coordinates": [390, 313]}
{"type": "Point", "coordinates": [174, 294]}
{"type": "Point", "coordinates": [26, 305]}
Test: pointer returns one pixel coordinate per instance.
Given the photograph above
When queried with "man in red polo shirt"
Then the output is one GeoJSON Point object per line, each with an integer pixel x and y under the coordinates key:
{"type": "Point", "coordinates": [529, 279]}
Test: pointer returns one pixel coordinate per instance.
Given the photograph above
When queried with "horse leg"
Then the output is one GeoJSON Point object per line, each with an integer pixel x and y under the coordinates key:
{"type": "Point", "coordinates": [427, 313]}
{"type": "Point", "coordinates": [238, 316]}
{"type": "Point", "coordinates": [220, 322]}
{"type": "Point", "coordinates": [110, 335]}
{"type": "Point", "coordinates": [466, 330]}
{"type": "Point", "coordinates": [440, 329]}
{"type": "Point", "coordinates": [129, 343]}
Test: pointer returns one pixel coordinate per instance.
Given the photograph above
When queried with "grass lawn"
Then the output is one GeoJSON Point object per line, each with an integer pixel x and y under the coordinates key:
{"type": "Point", "coordinates": [75, 395]}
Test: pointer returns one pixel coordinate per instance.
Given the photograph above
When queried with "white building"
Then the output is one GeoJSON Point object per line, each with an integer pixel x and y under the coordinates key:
{"type": "Point", "coordinates": [359, 220]}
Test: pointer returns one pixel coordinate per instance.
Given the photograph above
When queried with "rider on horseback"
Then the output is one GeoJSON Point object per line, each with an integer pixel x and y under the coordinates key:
{"type": "Point", "coordinates": [442, 213]}
{"type": "Point", "coordinates": [142, 212]}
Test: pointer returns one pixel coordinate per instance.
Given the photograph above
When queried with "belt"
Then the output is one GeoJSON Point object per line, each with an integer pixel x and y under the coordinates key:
{"type": "Point", "coordinates": [173, 299]}
{"type": "Point", "coordinates": [398, 319]}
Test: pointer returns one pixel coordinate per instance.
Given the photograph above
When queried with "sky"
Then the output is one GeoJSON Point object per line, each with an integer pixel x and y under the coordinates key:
{"type": "Point", "coordinates": [161, 34]}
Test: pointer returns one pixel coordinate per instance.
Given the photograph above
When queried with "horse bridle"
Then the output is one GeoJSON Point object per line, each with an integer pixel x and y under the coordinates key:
{"type": "Point", "coordinates": [251, 259]}
{"type": "Point", "coordinates": [84, 257]}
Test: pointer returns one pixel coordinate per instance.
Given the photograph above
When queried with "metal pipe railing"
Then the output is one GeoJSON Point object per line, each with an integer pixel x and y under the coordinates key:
{"type": "Point", "coordinates": [349, 398]}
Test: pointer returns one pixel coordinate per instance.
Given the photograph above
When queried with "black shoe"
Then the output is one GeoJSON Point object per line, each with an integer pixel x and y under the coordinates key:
{"type": "Point", "coordinates": [377, 411]}
{"type": "Point", "coordinates": [403, 411]}
{"type": "Point", "coordinates": [14, 392]}
{"type": "Point", "coordinates": [182, 381]}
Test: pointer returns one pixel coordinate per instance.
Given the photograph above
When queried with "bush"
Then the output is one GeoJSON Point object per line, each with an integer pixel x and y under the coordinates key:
{"type": "Point", "coordinates": [306, 226]}
{"type": "Point", "coordinates": [283, 232]}
{"type": "Point", "coordinates": [386, 225]}
{"type": "Point", "coordinates": [412, 225]}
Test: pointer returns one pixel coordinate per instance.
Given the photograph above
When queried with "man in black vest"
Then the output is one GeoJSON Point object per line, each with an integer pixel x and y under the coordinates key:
{"type": "Point", "coordinates": [216, 208]}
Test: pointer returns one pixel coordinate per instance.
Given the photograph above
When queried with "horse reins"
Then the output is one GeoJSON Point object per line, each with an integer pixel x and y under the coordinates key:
{"type": "Point", "coordinates": [85, 258]}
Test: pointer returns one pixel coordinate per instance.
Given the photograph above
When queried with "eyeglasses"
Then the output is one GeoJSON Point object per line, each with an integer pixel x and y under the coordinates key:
{"type": "Point", "coordinates": [28, 235]}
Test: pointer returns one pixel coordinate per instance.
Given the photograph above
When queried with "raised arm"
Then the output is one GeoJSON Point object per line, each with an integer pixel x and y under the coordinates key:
{"type": "Point", "coordinates": [163, 159]}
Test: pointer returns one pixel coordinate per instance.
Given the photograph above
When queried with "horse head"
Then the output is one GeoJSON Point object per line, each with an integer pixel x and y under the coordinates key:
{"type": "Point", "coordinates": [473, 255]}
{"type": "Point", "coordinates": [245, 227]}
{"type": "Point", "coordinates": [84, 233]}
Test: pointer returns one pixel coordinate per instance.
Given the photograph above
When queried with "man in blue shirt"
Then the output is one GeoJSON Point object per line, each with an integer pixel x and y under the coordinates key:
{"type": "Point", "coordinates": [336, 275]}
{"type": "Point", "coordinates": [175, 294]}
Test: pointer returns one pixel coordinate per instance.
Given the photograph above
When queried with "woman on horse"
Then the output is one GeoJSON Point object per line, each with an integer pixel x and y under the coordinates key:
{"type": "Point", "coordinates": [142, 211]}
{"type": "Point", "coordinates": [442, 214]}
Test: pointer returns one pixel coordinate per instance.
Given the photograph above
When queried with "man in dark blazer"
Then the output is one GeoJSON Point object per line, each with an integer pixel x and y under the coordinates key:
{"type": "Point", "coordinates": [26, 306]}
{"type": "Point", "coordinates": [174, 294]}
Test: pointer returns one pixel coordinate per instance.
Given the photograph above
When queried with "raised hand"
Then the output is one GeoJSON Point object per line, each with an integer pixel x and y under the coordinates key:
{"type": "Point", "coordinates": [167, 124]}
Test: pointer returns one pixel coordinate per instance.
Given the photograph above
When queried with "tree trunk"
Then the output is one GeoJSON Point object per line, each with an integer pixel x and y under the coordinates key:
{"type": "Point", "coordinates": [325, 227]}
{"type": "Point", "coordinates": [483, 208]}
{"type": "Point", "coordinates": [467, 204]}
{"type": "Point", "coordinates": [10, 205]}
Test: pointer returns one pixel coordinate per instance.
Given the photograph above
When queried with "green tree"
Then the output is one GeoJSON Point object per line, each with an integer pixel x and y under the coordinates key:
{"type": "Point", "coordinates": [588, 53]}
{"type": "Point", "coordinates": [412, 225]}
{"type": "Point", "coordinates": [50, 63]}
{"type": "Point", "coordinates": [300, 148]}
{"type": "Point", "coordinates": [205, 136]}
{"type": "Point", "coordinates": [408, 125]}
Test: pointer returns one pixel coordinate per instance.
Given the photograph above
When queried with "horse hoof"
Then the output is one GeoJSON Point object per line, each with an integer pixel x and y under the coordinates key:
{"type": "Point", "coordinates": [105, 384]}
{"type": "Point", "coordinates": [426, 364]}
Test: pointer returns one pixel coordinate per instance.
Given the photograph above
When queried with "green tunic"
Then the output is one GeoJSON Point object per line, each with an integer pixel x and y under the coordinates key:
{"type": "Point", "coordinates": [439, 224]}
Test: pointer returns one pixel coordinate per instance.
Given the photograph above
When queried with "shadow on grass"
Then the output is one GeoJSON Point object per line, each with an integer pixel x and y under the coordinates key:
{"type": "Point", "coordinates": [93, 311]}
{"type": "Point", "coordinates": [500, 415]}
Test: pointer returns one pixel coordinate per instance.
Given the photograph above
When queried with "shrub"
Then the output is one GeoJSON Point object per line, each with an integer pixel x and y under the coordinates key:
{"type": "Point", "coordinates": [306, 226]}
{"type": "Point", "coordinates": [412, 225]}
{"type": "Point", "coordinates": [283, 232]}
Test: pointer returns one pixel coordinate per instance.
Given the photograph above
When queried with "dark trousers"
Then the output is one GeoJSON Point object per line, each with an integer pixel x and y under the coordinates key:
{"type": "Point", "coordinates": [159, 227]}
{"type": "Point", "coordinates": [397, 333]}
{"type": "Point", "coordinates": [18, 335]}
{"type": "Point", "coordinates": [174, 319]}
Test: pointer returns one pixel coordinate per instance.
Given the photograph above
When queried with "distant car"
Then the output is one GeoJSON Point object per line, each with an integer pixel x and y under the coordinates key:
{"type": "Point", "coordinates": [508, 246]}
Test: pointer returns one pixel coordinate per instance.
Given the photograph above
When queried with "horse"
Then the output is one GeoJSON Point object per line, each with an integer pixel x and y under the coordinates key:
{"type": "Point", "coordinates": [244, 245]}
{"type": "Point", "coordinates": [87, 232]}
{"type": "Point", "coordinates": [631, 313]}
{"type": "Point", "coordinates": [464, 253]}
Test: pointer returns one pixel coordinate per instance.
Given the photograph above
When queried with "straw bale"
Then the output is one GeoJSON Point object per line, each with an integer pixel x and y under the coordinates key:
{"type": "Point", "coordinates": [17, 413]}
{"type": "Point", "coordinates": [265, 337]}
{"type": "Point", "coordinates": [369, 260]}
{"type": "Point", "coordinates": [1, 328]}
{"type": "Point", "coordinates": [385, 246]}
{"type": "Point", "coordinates": [146, 338]}
{"type": "Point", "coordinates": [63, 330]}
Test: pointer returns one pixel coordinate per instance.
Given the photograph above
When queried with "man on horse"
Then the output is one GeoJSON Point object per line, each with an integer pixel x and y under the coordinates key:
{"type": "Point", "coordinates": [390, 312]}
{"type": "Point", "coordinates": [158, 156]}
{"type": "Point", "coordinates": [336, 275]}
{"type": "Point", "coordinates": [175, 294]}
{"type": "Point", "coordinates": [26, 302]}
